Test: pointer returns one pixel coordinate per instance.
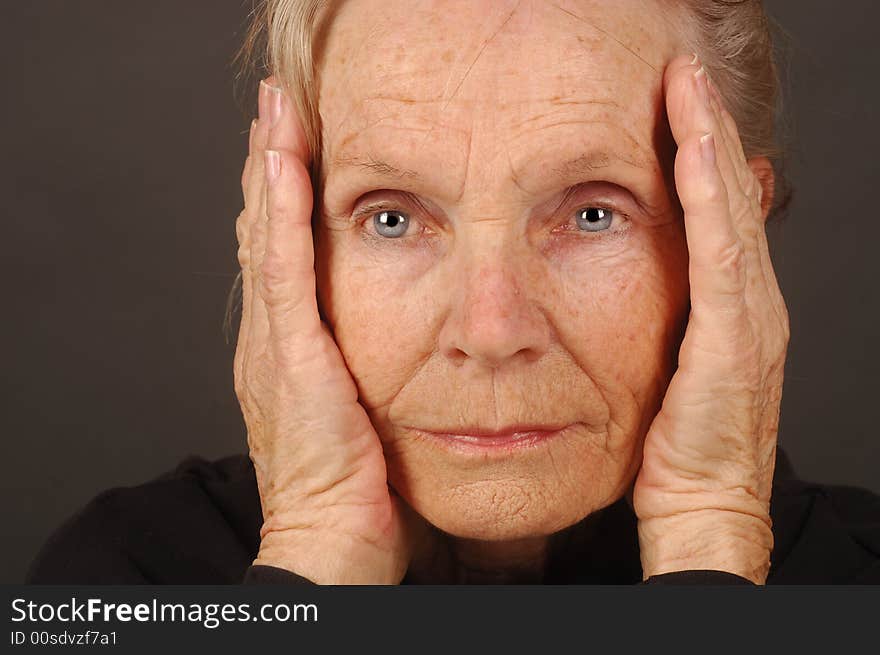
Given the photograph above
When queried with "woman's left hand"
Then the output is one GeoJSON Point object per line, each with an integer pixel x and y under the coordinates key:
{"type": "Point", "coordinates": [702, 496]}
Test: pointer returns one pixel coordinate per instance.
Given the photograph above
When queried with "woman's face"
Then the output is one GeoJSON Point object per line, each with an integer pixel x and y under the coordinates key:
{"type": "Point", "coordinates": [500, 245]}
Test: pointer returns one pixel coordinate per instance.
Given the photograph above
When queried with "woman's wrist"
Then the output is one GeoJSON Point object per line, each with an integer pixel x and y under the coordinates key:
{"type": "Point", "coordinates": [712, 540]}
{"type": "Point", "coordinates": [328, 559]}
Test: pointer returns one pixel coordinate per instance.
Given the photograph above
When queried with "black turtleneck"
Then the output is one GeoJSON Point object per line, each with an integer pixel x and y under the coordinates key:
{"type": "Point", "coordinates": [200, 523]}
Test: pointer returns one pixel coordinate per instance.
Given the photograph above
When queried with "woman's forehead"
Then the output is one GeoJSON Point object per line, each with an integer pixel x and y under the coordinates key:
{"type": "Point", "coordinates": [439, 75]}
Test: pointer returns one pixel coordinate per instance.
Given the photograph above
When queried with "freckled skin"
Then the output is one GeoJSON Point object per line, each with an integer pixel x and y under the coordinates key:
{"type": "Point", "coordinates": [493, 309]}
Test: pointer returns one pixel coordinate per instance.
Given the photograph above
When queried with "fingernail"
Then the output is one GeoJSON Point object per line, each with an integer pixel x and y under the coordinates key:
{"type": "Point", "coordinates": [695, 59]}
{"type": "Point", "coordinates": [707, 149]}
{"type": "Point", "coordinates": [273, 165]}
{"type": "Point", "coordinates": [251, 136]}
{"type": "Point", "coordinates": [273, 103]}
{"type": "Point", "coordinates": [702, 86]}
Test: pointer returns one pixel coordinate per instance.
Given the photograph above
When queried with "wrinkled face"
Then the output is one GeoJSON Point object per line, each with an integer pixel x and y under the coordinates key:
{"type": "Point", "coordinates": [500, 245]}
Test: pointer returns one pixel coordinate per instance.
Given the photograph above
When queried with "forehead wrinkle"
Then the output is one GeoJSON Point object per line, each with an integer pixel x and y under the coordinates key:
{"type": "Point", "coordinates": [621, 129]}
{"type": "Point", "coordinates": [373, 117]}
{"type": "Point", "coordinates": [565, 104]}
{"type": "Point", "coordinates": [534, 163]}
{"type": "Point", "coordinates": [324, 54]}
{"type": "Point", "coordinates": [586, 165]}
{"type": "Point", "coordinates": [461, 82]}
{"type": "Point", "coordinates": [379, 157]}
{"type": "Point", "coordinates": [402, 99]}
{"type": "Point", "coordinates": [479, 54]}
{"type": "Point", "coordinates": [608, 34]}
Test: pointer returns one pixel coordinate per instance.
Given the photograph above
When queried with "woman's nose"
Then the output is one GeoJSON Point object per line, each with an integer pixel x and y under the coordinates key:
{"type": "Point", "coordinates": [494, 317]}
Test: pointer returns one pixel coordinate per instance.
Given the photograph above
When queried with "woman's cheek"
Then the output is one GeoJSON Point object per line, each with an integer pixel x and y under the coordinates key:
{"type": "Point", "coordinates": [380, 306]}
{"type": "Point", "coordinates": [620, 307]}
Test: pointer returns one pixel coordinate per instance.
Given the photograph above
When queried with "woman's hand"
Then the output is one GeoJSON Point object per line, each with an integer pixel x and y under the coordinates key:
{"type": "Point", "coordinates": [328, 512]}
{"type": "Point", "coordinates": [702, 496]}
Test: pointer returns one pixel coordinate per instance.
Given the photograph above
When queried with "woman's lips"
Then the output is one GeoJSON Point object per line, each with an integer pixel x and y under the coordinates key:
{"type": "Point", "coordinates": [489, 440]}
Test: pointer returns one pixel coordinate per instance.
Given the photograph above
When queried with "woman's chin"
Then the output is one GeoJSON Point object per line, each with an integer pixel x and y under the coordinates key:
{"type": "Point", "coordinates": [494, 525]}
{"type": "Point", "coordinates": [531, 492]}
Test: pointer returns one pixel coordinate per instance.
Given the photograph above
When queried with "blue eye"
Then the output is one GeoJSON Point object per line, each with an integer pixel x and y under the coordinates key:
{"type": "Point", "coordinates": [594, 219]}
{"type": "Point", "coordinates": [391, 224]}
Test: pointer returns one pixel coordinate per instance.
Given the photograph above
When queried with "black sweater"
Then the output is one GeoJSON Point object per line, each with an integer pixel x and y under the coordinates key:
{"type": "Point", "coordinates": [200, 523]}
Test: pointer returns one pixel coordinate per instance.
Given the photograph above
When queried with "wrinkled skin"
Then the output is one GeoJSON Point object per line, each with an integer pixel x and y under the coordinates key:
{"type": "Point", "coordinates": [495, 308]}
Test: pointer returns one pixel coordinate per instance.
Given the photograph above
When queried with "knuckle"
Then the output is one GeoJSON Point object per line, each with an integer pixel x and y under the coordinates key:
{"type": "Point", "coordinates": [786, 324]}
{"type": "Point", "coordinates": [242, 392]}
{"type": "Point", "coordinates": [244, 258]}
{"type": "Point", "coordinates": [272, 275]}
{"type": "Point", "coordinates": [752, 190]}
{"type": "Point", "coordinates": [715, 193]}
{"type": "Point", "coordinates": [277, 296]}
{"type": "Point", "coordinates": [731, 260]}
{"type": "Point", "coordinates": [241, 226]}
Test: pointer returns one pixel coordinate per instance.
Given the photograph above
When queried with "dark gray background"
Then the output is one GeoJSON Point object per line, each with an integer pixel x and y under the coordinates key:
{"type": "Point", "coordinates": [122, 153]}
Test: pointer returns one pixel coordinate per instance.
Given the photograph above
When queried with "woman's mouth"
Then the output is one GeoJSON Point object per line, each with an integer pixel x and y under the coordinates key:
{"type": "Point", "coordinates": [473, 440]}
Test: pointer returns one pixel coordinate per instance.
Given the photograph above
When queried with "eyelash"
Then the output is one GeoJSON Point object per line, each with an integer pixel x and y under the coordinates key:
{"type": "Point", "coordinates": [367, 213]}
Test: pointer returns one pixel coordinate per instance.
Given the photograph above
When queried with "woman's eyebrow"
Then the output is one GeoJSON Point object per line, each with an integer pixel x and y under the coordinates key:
{"type": "Point", "coordinates": [592, 161]}
{"type": "Point", "coordinates": [577, 166]}
{"type": "Point", "coordinates": [377, 167]}
{"type": "Point", "coordinates": [639, 171]}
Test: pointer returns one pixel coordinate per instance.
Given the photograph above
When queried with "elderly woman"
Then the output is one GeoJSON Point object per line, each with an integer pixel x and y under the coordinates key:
{"type": "Point", "coordinates": [508, 314]}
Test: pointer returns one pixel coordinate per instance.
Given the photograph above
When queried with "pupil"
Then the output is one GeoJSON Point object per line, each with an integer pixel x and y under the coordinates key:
{"type": "Point", "coordinates": [594, 214]}
{"type": "Point", "coordinates": [390, 219]}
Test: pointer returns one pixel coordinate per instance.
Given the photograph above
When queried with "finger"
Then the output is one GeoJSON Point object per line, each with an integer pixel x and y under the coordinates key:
{"type": "Point", "coordinates": [268, 97]}
{"type": "Point", "coordinates": [754, 192]}
{"type": "Point", "coordinates": [242, 224]}
{"type": "Point", "coordinates": [716, 253]}
{"type": "Point", "coordinates": [258, 329]}
{"type": "Point", "coordinates": [686, 115]}
{"type": "Point", "coordinates": [752, 227]}
{"type": "Point", "coordinates": [690, 112]}
{"type": "Point", "coordinates": [741, 208]}
{"type": "Point", "coordinates": [288, 271]}
{"type": "Point", "coordinates": [747, 179]}
{"type": "Point", "coordinates": [242, 230]}
{"type": "Point", "coordinates": [745, 206]}
{"type": "Point", "coordinates": [744, 209]}
{"type": "Point", "coordinates": [717, 257]}
{"type": "Point", "coordinates": [245, 174]}
{"type": "Point", "coordinates": [286, 131]}
{"type": "Point", "coordinates": [690, 109]}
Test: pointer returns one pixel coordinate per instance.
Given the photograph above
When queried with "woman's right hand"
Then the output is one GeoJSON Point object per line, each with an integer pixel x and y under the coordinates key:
{"type": "Point", "coordinates": [328, 512]}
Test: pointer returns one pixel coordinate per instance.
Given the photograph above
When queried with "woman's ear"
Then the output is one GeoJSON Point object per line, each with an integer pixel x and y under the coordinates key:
{"type": "Point", "coordinates": [763, 170]}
